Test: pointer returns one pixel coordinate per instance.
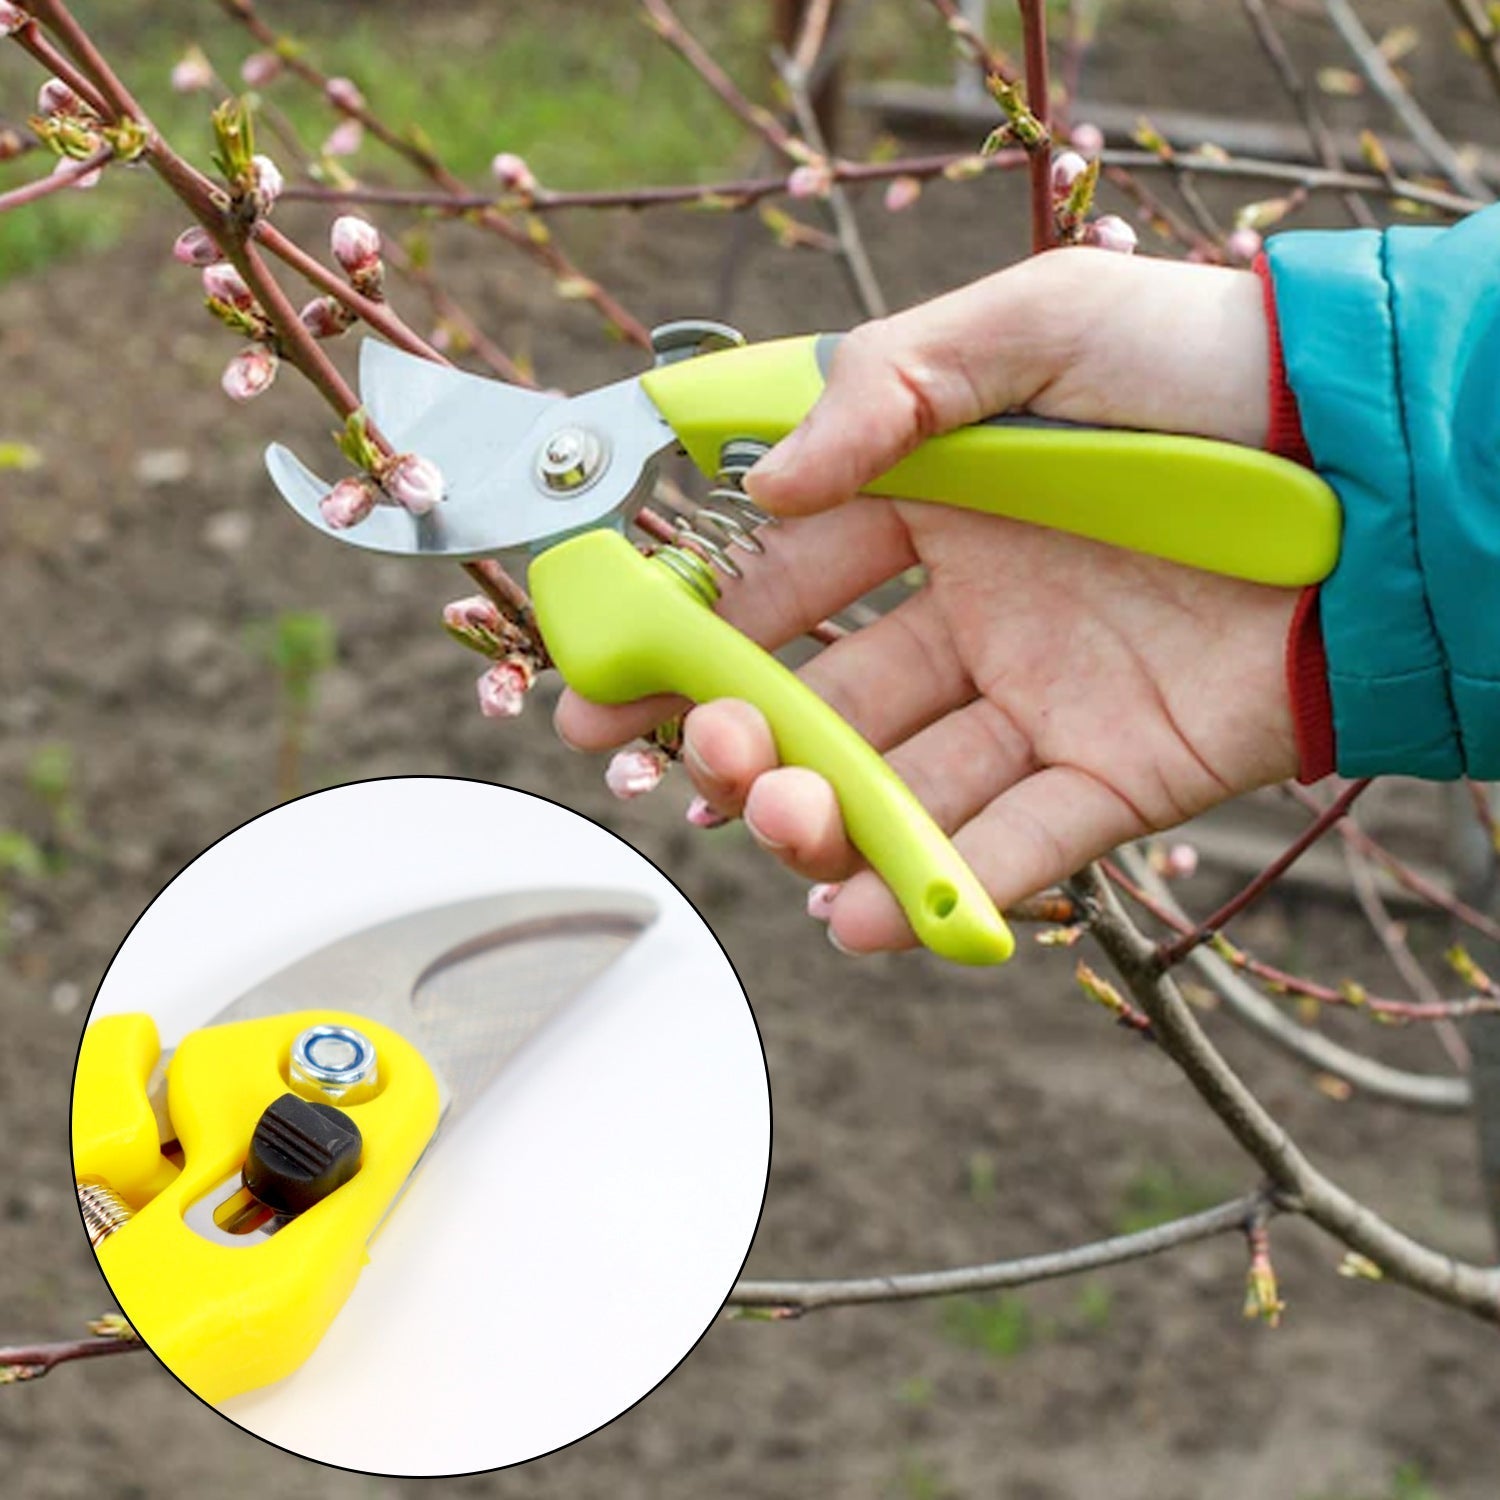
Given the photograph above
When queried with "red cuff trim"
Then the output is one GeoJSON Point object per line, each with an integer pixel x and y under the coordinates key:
{"type": "Point", "coordinates": [1284, 436]}
{"type": "Point", "coordinates": [1307, 681]}
{"type": "Point", "coordinates": [1306, 659]}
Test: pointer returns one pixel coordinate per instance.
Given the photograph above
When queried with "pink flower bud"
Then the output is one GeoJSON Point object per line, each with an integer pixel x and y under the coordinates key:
{"type": "Point", "coordinates": [1087, 139]}
{"type": "Point", "coordinates": [195, 247]}
{"type": "Point", "coordinates": [474, 615]}
{"type": "Point", "coordinates": [347, 503]}
{"type": "Point", "coordinates": [342, 94]}
{"type": "Point", "coordinates": [820, 901]}
{"type": "Point", "coordinates": [85, 180]}
{"type": "Point", "coordinates": [1067, 168]}
{"type": "Point", "coordinates": [633, 773]}
{"type": "Point", "coordinates": [1244, 245]}
{"type": "Point", "coordinates": [345, 138]}
{"type": "Point", "coordinates": [222, 282]}
{"type": "Point", "coordinates": [249, 373]}
{"type": "Point", "coordinates": [1179, 861]}
{"type": "Point", "coordinates": [701, 815]}
{"type": "Point", "coordinates": [1111, 233]}
{"type": "Point", "coordinates": [901, 193]}
{"type": "Point", "coordinates": [415, 482]}
{"type": "Point", "coordinates": [191, 74]}
{"type": "Point", "coordinates": [56, 98]}
{"type": "Point", "coordinates": [503, 689]}
{"type": "Point", "coordinates": [12, 18]}
{"type": "Point", "coordinates": [260, 68]}
{"type": "Point", "coordinates": [512, 173]}
{"type": "Point", "coordinates": [355, 243]}
{"type": "Point", "coordinates": [268, 182]}
{"type": "Point", "coordinates": [810, 181]}
{"type": "Point", "coordinates": [326, 318]}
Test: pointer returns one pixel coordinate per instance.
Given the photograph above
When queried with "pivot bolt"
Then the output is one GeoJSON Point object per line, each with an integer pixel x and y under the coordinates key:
{"type": "Point", "coordinates": [335, 1064]}
{"type": "Point", "coordinates": [571, 460]}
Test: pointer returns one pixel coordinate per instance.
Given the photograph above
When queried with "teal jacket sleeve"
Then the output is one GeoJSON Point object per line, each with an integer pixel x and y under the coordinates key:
{"type": "Point", "coordinates": [1392, 347]}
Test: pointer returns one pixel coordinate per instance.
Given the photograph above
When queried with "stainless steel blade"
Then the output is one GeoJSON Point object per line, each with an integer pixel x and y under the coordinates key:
{"type": "Point", "coordinates": [487, 438]}
{"type": "Point", "coordinates": [466, 983]}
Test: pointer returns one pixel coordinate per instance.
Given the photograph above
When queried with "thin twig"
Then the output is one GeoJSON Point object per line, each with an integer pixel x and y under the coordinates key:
{"type": "Point", "coordinates": [1483, 35]}
{"type": "Point", "coordinates": [1372, 63]}
{"type": "Point", "coordinates": [792, 1298]}
{"type": "Point", "coordinates": [1295, 86]}
{"type": "Point", "coordinates": [1174, 952]}
{"type": "Point", "coordinates": [1262, 1016]}
{"type": "Point", "coordinates": [1039, 101]}
{"type": "Point", "coordinates": [66, 176]}
{"type": "Point", "coordinates": [22, 1362]}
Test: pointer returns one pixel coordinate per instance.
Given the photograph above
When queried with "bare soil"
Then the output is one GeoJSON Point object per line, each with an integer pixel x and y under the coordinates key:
{"type": "Point", "coordinates": [923, 1116]}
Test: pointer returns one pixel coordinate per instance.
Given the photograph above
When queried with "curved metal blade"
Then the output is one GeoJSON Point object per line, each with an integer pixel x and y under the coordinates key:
{"type": "Point", "coordinates": [486, 437]}
{"type": "Point", "coordinates": [466, 983]}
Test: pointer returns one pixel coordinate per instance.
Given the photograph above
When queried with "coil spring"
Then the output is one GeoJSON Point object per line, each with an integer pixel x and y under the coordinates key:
{"type": "Point", "coordinates": [727, 519]}
{"type": "Point", "coordinates": [104, 1211]}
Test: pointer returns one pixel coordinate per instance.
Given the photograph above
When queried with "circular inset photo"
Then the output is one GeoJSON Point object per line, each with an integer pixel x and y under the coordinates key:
{"type": "Point", "coordinates": [421, 1126]}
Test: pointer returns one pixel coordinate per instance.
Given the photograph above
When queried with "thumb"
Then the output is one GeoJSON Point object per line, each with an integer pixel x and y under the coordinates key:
{"type": "Point", "coordinates": [899, 381]}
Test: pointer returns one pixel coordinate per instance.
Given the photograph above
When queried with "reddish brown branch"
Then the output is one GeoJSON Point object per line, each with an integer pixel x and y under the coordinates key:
{"type": "Point", "coordinates": [1174, 952]}
{"type": "Point", "coordinates": [1039, 101]}
{"type": "Point", "coordinates": [66, 176]}
{"type": "Point", "coordinates": [22, 1362]}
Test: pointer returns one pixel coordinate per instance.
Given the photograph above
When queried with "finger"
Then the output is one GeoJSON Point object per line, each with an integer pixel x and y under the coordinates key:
{"type": "Point", "coordinates": [898, 381]}
{"type": "Point", "coordinates": [793, 813]}
{"type": "Point", "coordinates": [1040, 831]}
{"type": "Point", "coordinates": [811, 569]}
{"type": "Point", "coordinates": [725, 746]}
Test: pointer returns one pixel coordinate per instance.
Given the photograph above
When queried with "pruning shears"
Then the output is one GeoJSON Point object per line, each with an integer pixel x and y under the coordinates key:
{"type": "Point", "coordinates": [559, 478]}
{"type": "Point", "coordinates": [231, 1186]}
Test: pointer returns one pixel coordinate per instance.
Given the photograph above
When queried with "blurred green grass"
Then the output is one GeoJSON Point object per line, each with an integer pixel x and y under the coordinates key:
{"type": "Point", "coordinates": [584, 91]}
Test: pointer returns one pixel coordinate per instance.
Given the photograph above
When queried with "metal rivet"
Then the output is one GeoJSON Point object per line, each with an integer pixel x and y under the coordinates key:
{"type": "Point", "coordinates": [571, 459]}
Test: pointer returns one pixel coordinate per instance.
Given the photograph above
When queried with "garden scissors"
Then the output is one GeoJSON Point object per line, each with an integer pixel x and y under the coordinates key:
{"type": "Point", "coordinates": [231, 1186]}
{"type": "Point", "coordinates": [558, 478]}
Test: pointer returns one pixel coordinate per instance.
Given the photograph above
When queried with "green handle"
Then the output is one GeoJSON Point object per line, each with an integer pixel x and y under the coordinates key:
{"type": "Point", "coordinates": [621, 626]}
{"type": "Point", "coordinates": [1211, 505]}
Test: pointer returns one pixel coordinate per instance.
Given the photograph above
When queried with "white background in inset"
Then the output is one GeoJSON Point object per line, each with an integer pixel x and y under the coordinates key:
{"type": "Point", "coordinates": [574, 1234]}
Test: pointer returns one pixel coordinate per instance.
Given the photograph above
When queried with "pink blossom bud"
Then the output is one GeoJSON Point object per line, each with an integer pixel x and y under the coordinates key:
{"type": "Point", "coordinates": [355, 243]}
{"type": "Point", "coordinates": [191, 74]}
{"type": "Point", "coordinates": [342, 94]}
{"type": "Point", "coordinates": [249, 373]}
{"type": "Point", "coordinates": [64, 165]}
{"type": "Point", "coordinates": [1244, 245]}
{"type": "Point", "coordinates": [1087, 139]}
{"type": "Point", "coordinates": [345, 138]}
{"type": "Point", "coordinates": [223, 283]}
{"type": "Point", "coordinates": [810, 181]}
{"type": "Point", "coordinates": [503, 689]}
{"type": "Point", "coordinates": [901, 193]}
{"type": "Point", "coordinates": [1112, 233]}
{"type": "Point", "coordinates": [1179, 861]}
{"type": "Point", "coordinates": [196, 247]}
{"type": "Point", "coordinates": [12, 18]}
{"type": "Point", "coordinates": [268, 182]}
{"type": "Point", "coordinates": [415, 482]}
{"type": "Point", "coordinates": [633, 773]}
{"type": "Point", "coordinates": [512, 173]}
{"type": "Point", "coordinates": [701, 815]}
{"type": "Point", "coordinates": [56, 98]}
{"type": "Point", "coordinates": [474, 615]}
{"type": "Point", "coordinates": [260, 68]}
{"type": "Point", "coordinates": [820, 901]}
{"type": "Point", "coordinates": [347, 503]}
{"type": "Point", "coordinates": [1067, 168]}
{"type": "Point", "coordinates": [325, 318]}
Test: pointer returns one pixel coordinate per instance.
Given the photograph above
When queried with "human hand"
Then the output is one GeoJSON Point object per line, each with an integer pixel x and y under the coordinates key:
{"type": "Point", "coordinates": [1045, 696]}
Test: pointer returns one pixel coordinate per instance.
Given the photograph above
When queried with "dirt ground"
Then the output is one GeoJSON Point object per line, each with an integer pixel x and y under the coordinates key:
{"type": "Point", "coordinates": [923, 1117]}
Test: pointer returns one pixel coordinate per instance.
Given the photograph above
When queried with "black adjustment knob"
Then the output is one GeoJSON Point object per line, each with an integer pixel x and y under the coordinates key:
{"type": "Point", "coordinates": [300, 1153]}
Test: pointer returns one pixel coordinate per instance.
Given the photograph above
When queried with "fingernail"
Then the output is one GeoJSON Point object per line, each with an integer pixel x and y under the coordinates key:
{"type": "Point", "coordinates": [833, 938]}
{"type": "Point", "coordinates": [820, 901]}
{"type": "Point", "coordinates": [699, 768]}
{"type": "Point", "coordinates": [768, 844]}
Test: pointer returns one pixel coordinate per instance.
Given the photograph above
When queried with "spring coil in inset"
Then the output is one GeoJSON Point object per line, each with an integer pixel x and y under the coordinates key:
{"type": "Point", "coordinates": [103, 1209]}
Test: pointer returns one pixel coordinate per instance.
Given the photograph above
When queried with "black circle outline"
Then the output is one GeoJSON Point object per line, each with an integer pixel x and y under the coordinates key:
{"type": "Point", "coordinates": [765, 1068]}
